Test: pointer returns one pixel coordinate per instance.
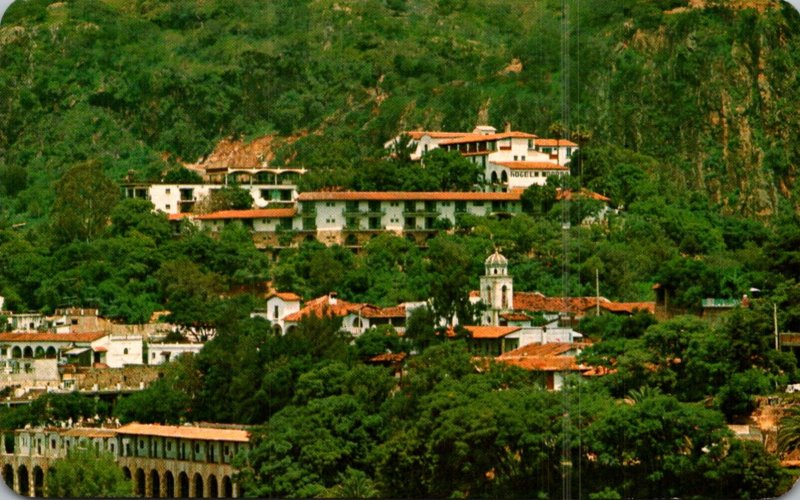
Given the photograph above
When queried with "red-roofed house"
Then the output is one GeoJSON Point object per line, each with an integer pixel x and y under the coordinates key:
{"type": "Point", "coordinates": [510, 158]}
{"type": "Point", "coordinates": [278, 306]}
{"type": "Point", "coordinates": [554, 361]}
{"type": "Point", "coordinates": [83, 349]}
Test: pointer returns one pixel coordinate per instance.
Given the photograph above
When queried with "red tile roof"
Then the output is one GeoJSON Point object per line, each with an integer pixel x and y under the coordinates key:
{"type": "Point", "coordinates": [536, 302]}
{"type": "Point", "coordinates": [406, 196]}
{"type": "Point", "coordinates": [546, 364]}
{"type": "Point", "coordinates": [51, 337]}
{"type": "Point", "coordinates": [531, 165]}
{"type": "Point", "coordinates": [185, 432]}
{"type": "Point", "coordinates": [629, 307]}
{"type": "Point", "coordinates": [178, 216]}
{"type": "Point", "coordinates": [386, 312]}
{"type": "Point", "coordinates": [322, 306]}
{"type": "Point", "coordinates": [544, 357]}
{"type": "Point", "coordinates": [418, 134]}
{"type": "Point", "coordinates": [286, 296]}
{"type": "Point", "coordinates": [515, 316]}
{"type": "Point", "coordinates": [90, 432]}
{"type": "Point", "coordinates": [388, 357]}
{"type": "Point", "coordinates": [554, 143]}
{"type": "Point", "coordinates": [262, 213]}
{"type": "Point", "coordinates": [583, 193]}
{"type": "Point", "coordinates": [491, 332]}
{"type": "Point", "coordinates": [488, 137]}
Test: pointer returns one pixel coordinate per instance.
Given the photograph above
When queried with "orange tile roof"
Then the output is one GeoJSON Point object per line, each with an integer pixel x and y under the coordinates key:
{"type": "Point", "coordinates": [388, 357]}
{"type": "Point", "coordinates": [546, 364]}
{"type": "Point", "coordinates": [286, 296]}
{"type": "Point", "coordinates": [555, 143]}
{"type": "Point", "coordinates": [537, 349]}
{"type": "Point", "coordinates": [262, 213]}
{"type": "Point", "coordinates": [629, 307]}
{"type": "Point", "coordinates": [321, 306]}
{"type": "Point", "coordinates": [90, 432]}
{"type": "Point", "coordinates": [406, 196]}
{"type": "Point", "coordinates": [583, 193]}
{"type": "Point", "coordinates": [179, 216]}
{"type": "Point", "coordinates": [536, 302]}
{"type": "Point", "coordinates": [491, 332]}
{"type": "Point", "coordinates": [514, 316]}
{"type": "Point", "coordinates": [386, 312]}
{"type": "Point", "coordinates": [488, 137]}
{"type": "Point", "coordinates": [544, 357]}
{"type": "Point", "coordinates": [531, 165]}
{"type": "Point", "coordinates": [185, 432]}
{"type": "Point", "coordinates": [51, 337]}
{"type": "Point", "coordinates": [418, 134]}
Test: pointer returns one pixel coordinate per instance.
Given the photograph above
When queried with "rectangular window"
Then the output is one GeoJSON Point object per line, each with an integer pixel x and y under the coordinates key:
{"type": "Point", "coordinates": [275, 312]}
{"type": "Point", "coordinates": [168, 190]}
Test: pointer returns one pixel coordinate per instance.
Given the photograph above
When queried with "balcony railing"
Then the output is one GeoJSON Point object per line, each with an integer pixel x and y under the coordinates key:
{"type": "Point", "coordinates": [355, 212]}
{"type": "Point", "coordinates": [422, 213]}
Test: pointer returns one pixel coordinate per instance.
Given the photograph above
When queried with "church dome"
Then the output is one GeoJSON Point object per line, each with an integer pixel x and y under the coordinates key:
{"type": "Point", "coordinates": [496, 264]}
{"type": "Point", "coordinates": [496, 260]}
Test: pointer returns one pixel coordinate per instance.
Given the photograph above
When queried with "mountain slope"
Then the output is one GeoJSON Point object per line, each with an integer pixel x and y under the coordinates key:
{"type": "Point", "coordinates": [708, 89]}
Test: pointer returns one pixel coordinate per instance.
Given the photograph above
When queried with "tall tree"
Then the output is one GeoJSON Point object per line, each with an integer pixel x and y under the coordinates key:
{"type": "Point", "coordinates": [88, 473]}
{"type": "Point", "coordinates": [84, 199]}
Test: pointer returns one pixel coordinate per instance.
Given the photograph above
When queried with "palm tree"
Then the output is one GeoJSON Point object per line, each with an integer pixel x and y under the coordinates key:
{"type": "Point", "coordinates": [789, 431]}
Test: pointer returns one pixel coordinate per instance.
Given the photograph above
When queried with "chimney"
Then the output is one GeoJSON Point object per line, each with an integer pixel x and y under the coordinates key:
{"type": "Point", "coordinates": [508, 127]}
{"type": "Point", "coordinates": [332, 298]}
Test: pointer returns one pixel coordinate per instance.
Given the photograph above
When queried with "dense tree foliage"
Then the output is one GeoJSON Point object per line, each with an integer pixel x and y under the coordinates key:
{"type": "Point", "coordinates": [87, 473]}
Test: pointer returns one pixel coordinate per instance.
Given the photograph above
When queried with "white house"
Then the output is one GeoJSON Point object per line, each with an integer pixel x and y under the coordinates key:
{"type": "Point", "coordinates": [335, 216]}
{"type": "Point", "coordinates": [182, 198]}
{"type": "Point", "coordinates": [161, 352]}
{"type": "Point", "coordinates": [82, 348]}
{"type": "Point", "coordinates": [278, 306]}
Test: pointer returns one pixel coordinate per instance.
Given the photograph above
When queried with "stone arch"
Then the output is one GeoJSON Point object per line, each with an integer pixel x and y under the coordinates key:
{"type": "Point", "coordinates": [277, 330]}
{"type": "Point", "coordinates": [213, 488]}
{"type": "Point", "coordinates": [290, 330]}
{"type": "Point", "coordinates": [27, 352]}
{"type": "Point", "coordinates": [504, 177]}
{"type": "Point", "coordinates": [494, 177]}
{"type": "Point", "coordinates": [169, 485]}
{"type": "Point", "coordinates": [51, 353]}
{"type": "Point", "coordinates": [183, 485]}
{"type": "Point", "coordinates": [39, 352]}
{"type": "Point", "coordinates": [227, 487]}
{"type": "Point", "coordinates": [127, 473]}
{"type": "Point", "coordinates": [16, 352]}
{"type": "Point", "coordinates": [139, 483]}
{"type": "Point", "coordinates": [357, 322]}
{"type": "Point", "coordinates": [22, 481]}
{"type": "Point", "coordinates": [8, 476]}
{"type": "Point", "coordinates": [198, 485]}
{"type": "Point", "coordinates": [38, 482]}
{"type": "Point", "coordinates": [351, 240]}
{"type": "Point", "coordinates": [155, 484]}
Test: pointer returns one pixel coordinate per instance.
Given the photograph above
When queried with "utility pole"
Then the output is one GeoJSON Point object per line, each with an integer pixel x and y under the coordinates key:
{"type": "Point", "coordinates": [597, 290]}
{"type": "Point", "coordinates": [775, 323]}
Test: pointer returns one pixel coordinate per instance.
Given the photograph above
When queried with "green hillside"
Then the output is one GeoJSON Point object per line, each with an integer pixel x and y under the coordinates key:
{"type": "Point", "coordinates": [710, 94]}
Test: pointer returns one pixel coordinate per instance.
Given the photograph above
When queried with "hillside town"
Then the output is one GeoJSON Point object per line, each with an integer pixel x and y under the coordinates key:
{"type": "Point", "coordinates": [77, 350]}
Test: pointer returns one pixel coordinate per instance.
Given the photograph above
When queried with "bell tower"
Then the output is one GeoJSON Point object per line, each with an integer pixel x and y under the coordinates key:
{"type": "Point", "coordinates": [497, 289]}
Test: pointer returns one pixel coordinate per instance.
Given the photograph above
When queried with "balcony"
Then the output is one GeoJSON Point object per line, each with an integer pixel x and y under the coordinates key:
{"type": "Point", "coordinates": [356, 212]}
{"type": "Point", "coordinates": [425, 212]}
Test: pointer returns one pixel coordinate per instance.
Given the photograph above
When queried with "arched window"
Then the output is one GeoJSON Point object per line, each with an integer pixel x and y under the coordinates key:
{"type": "Point", "coordinates": [494, 177]}
{"type": "Point", "coordinates": [125, 351]}
{"type": "Point", "coordinates": [504, 293]}
{"type": "Point", "coordinates": [504, 177]}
